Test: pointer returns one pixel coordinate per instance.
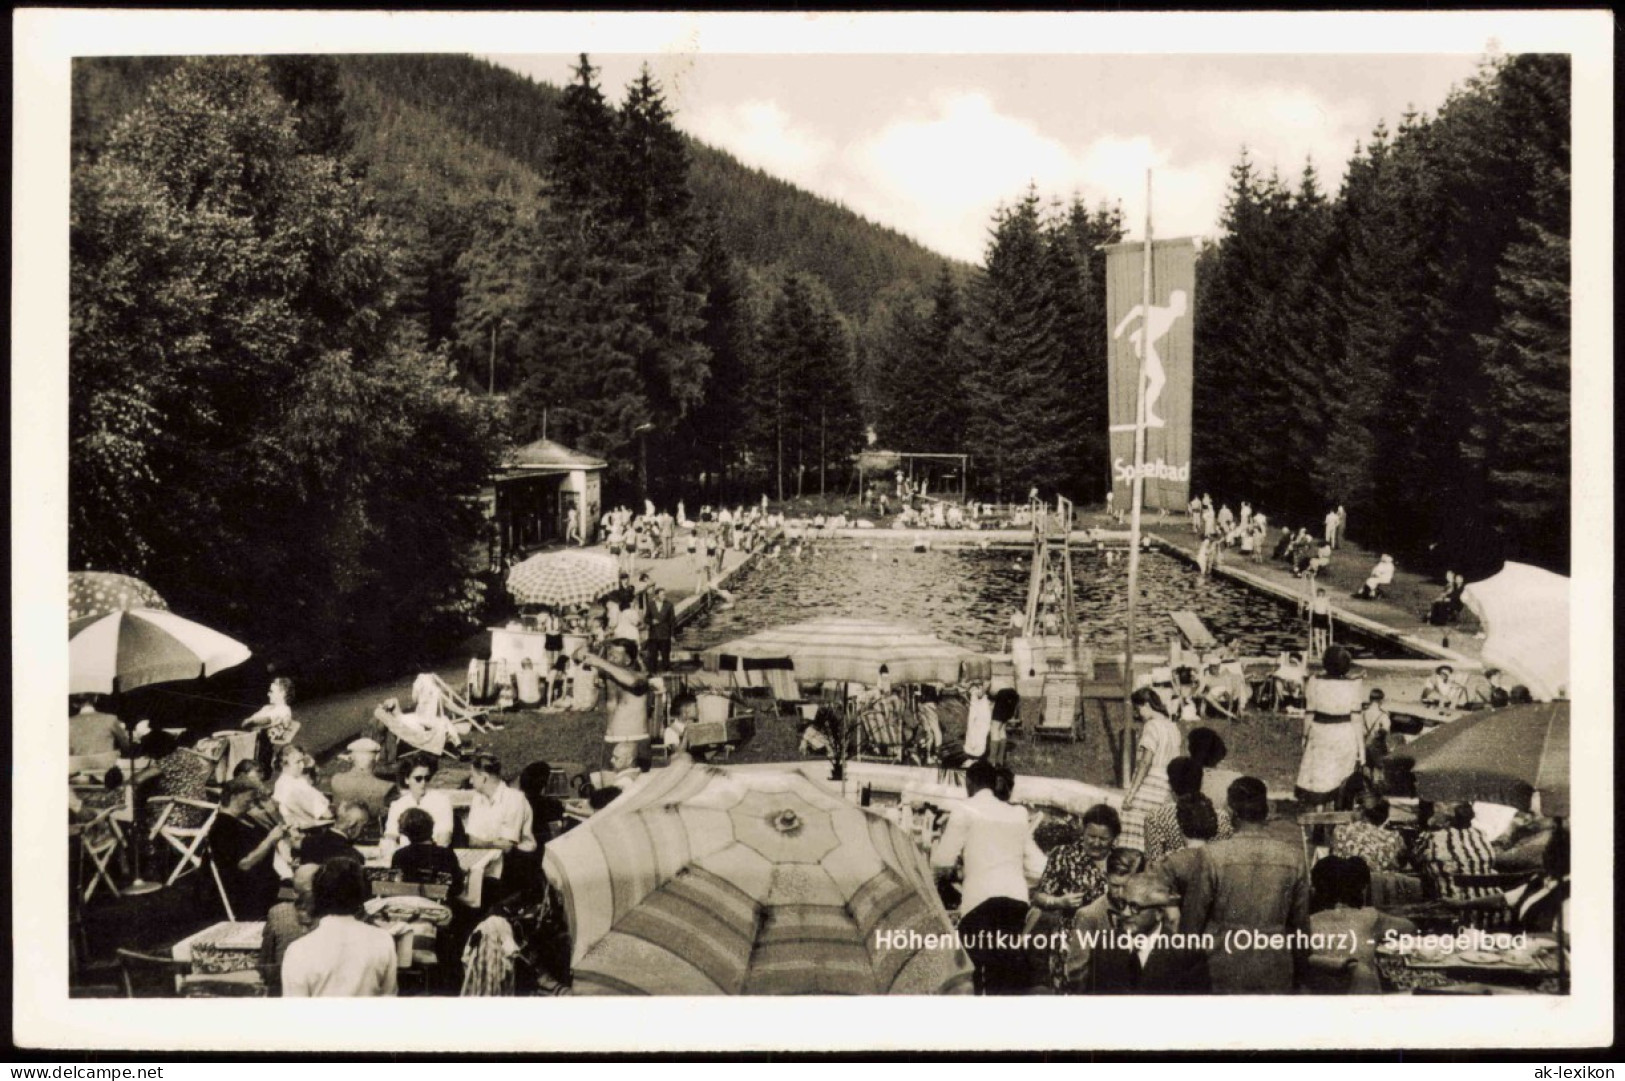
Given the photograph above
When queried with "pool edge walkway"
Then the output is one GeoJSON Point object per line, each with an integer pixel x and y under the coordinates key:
{"type": "Point", "coordinates": [1274, 581]}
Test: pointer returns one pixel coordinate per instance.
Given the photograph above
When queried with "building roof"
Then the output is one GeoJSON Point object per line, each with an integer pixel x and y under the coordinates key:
{"type": "Point", "coordinates": [544, 455]}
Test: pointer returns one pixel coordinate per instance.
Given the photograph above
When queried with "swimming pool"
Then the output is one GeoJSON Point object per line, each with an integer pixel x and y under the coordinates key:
{"type": "Point", "coordinates": [966, 596]}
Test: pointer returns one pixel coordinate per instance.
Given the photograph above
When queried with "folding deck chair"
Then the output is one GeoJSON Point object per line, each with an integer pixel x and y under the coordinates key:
{"type": "Point", "coordinates": [881, 736]}
{"type": "Point", "coordinates": [188, 841]}
{"type": "Point", "coordinates": [99, 842]}
{"type": "Point", "coordinates": [459, 708]}
{"type": "Point", "coordinates": [1062, 708]}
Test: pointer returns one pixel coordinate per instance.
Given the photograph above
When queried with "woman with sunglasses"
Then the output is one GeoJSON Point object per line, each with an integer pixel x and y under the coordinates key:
{"type": "Point", "coordinates": [415, 774]}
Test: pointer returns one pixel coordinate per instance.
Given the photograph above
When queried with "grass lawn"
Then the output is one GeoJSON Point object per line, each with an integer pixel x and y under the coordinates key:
{"type": "Point", "coordinates": [1265, 745]}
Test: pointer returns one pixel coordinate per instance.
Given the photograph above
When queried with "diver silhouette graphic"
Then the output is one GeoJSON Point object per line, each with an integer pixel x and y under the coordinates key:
{"type": "Point", "coordinates": [1144, 339]}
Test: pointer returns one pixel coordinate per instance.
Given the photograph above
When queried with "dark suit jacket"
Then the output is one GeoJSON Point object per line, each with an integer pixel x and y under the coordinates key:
{"type": "Point", "coordinates": [1167, 971]}
{"type": "Point", "coordinates": [323, 844]}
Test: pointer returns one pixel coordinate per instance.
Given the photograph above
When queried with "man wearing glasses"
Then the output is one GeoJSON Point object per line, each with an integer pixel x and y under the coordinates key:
{"type": "Point", "coordinates": [1137, 949]}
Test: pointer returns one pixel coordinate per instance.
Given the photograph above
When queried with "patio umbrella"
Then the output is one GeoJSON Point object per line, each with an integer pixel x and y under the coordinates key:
{"type": "Point", "coordinates": [1517, 757]}
{"type": "Point", "coordinates": [1525, 612]}
{"type": "Point", "coordinates": [96, 593]}
{"type": "Point", "coordinates": [558, 579]}
{"type": "Point", "coordinates": [122, 650]}
{"type": "Point", "coordinates": [852, 650]}
{"type": "Point", "coordinates": [700, 881]}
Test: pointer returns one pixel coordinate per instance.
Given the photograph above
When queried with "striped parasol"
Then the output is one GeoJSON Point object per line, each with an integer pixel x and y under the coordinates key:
{"type": "Point", "coordinates": [700, 881]}
{"type": "Point", "coordinates": [852, 650]}
{"type": "Point", "coordinates": [96, 593]}
{"type": "Point", "coordinates": [563, 578]}
{"type": "Point", "coordinates": [122, 650]}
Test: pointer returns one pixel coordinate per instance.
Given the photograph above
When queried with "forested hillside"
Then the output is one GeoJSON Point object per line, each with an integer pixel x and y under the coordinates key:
{"type": "Point", "coordinates": [456, 128]}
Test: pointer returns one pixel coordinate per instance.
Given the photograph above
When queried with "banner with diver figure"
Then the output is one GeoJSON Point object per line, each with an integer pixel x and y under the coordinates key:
{"type": "Point", "coordinates": [1164, 336]}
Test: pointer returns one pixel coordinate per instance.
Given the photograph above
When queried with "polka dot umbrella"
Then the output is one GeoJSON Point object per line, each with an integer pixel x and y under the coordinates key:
{"type": "Point", "coordinates": [96, 593]}
{"type": "Point", "coordinates": [703, 881]}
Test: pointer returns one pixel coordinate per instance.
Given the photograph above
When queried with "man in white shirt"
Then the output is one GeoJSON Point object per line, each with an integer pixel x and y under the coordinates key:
{"type": "Point", "coordinates": [498, 816]}
{"type": "Point", "coordinates": [1001, 860]}
{"type": "Point", "coordinates": [342, 957]}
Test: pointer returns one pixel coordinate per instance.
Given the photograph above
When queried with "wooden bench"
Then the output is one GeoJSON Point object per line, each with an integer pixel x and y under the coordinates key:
{"type": "Point", "coordinates": [1196, 635]}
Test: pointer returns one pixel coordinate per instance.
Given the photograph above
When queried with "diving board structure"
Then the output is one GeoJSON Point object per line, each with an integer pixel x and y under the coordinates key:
{"type": "Point", "coordinates": [1197, 636]}
{"type": "Point", "coordinates": [1049, 587]}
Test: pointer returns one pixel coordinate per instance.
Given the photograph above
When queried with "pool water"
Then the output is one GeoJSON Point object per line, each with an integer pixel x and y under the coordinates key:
{"type": "Point", "coordinates": [966, 596]}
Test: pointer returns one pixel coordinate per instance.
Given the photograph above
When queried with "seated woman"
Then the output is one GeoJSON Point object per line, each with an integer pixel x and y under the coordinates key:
{"type": "Point", "coordinates": [276, 717]}
{"type": "Point", "coordinates": [426, 732]}
{"type": "Point", "coordinates": [416, 771]}
{"type": "Point", "coordinates": [297, 800]}
{"type": "Point", "coordinates": [175, 772]}
{"type": "Point", "coordinates": [1288, 680]}
{"type": "Point", "coordinates": [423, 861]}
{"type": "Point", "coordinates": [1381, 575]}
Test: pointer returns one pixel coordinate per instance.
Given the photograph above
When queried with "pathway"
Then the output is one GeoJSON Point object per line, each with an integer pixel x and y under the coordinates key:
{"type": "Point", "coordinates": [1400, 616]}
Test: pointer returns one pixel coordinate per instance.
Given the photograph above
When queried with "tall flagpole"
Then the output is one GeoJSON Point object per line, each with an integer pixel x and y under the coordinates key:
{"type": "Point", "coordinates": [1137, 490]}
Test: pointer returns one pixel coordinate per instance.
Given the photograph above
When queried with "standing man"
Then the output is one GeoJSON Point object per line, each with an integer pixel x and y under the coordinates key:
{"type": "Point", "coordinates": [1342, 526]}
{"type": "Point", "coordinates": [1245, 890]}
{"type": "Point", "coordinates": [660, 620]}
{"type": "Point", "coordinates": [1331, 527]}
{"type": "Point", "coordinates": [1000, 860]}
{"type": "Point", "coordinates": [627, 735]}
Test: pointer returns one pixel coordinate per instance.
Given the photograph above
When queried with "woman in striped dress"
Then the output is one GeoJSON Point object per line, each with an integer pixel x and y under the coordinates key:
{"type": "Point", "coordinates": [1456, 850]}
{"type": "Point", "coordinates": [1160, 744]}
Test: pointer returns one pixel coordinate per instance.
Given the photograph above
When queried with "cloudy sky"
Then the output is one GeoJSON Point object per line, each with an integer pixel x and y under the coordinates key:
{"type": "Point", "coordinates": [931, 144]}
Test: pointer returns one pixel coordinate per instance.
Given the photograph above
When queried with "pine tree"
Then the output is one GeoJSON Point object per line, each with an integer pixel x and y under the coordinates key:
{"type": "Point", "coordinates": [1523, 433]}
{"type": "Point", "coordinates": [1078, 268]}
{"type": "Point", "coordinates": [585, 161]}
{"type": "Point", "coordinates": [711, 436]}
{"type": "Point", "coordinates": [918, 382]}
{"type": "Point", "coordinates": [1017, 430]}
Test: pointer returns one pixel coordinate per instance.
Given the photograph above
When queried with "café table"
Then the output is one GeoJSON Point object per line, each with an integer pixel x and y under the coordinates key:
{"type": "Point", "coordinates": [225, 950]}
{"type": "Point", "coordinates": [1471, 971]}
{"type": "Point", "coordinates": [1430, 715]}
{"type": "Point", "coordinates": [231, 950]}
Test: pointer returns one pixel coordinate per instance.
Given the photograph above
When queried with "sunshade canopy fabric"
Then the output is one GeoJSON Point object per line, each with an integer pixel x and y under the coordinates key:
{"type": "Point", "coordinates": [1507, 756]}
{"type": "Point", "coordinates": [96, 593]}
{"type": "Point", "coordinates": [1525, 612]}
{"type": "Point", "coordinates": [853, 650]}
{"type": "Point", "coordinates": [702, 881]}
{"type": "Point", "coordinates": [563, 578]}
{"type": "Point", "coordinates": [127, 649]}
